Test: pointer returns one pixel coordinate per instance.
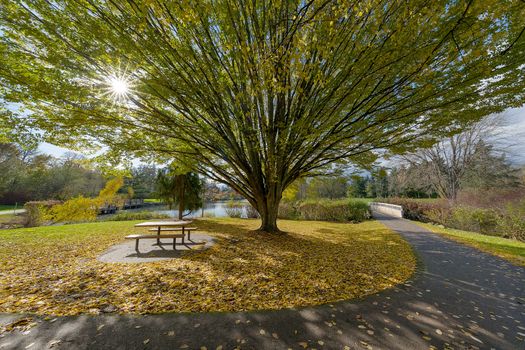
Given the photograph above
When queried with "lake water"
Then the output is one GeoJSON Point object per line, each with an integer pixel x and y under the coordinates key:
{"type": "Point", "coordinates": [211, 209]}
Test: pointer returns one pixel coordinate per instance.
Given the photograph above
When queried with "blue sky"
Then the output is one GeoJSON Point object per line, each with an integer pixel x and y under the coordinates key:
{"type": "Point", "coordinates": [514, 130]}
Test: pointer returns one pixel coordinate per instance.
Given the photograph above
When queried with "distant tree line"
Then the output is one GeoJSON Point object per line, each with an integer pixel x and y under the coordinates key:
{"type": "Point", "coordinates": [469, 161]}
{"type": "Point", "coordinates": [142, 180]}
{"type": "Point", "coordinates": [26, 175]}
{"type": "Point", "coordinates": [320, 187]}
{"type": "Point", "coordinates": [430, 174]}
{"type": "Point", "coordinates": [214, 192]}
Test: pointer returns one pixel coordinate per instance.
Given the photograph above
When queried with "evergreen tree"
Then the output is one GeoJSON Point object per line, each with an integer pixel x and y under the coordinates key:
{"type": "Point", "coordinates": [181, 189]}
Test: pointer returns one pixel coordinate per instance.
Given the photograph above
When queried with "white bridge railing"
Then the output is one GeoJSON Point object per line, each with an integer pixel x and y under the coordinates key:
{"type": "Point", "coordinates": [387, 209]}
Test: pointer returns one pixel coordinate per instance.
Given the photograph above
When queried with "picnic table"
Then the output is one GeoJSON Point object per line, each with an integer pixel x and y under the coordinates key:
{"type": "Point", "coordinates": [167, 225]}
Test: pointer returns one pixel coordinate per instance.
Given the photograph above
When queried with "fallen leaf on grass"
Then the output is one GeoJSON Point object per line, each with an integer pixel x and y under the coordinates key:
{"type": "Point", "coordinates": [23, 325]}
{"type": "Point", "coordinates": [259, 271]}
{"type": "Point", "coordinates": [52, 343]}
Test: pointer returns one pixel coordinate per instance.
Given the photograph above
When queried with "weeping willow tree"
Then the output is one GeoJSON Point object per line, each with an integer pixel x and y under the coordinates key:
{"type": "Point", "coordinates": [183, 189]}
{"type": "Point", "coordinates": [258, 93]}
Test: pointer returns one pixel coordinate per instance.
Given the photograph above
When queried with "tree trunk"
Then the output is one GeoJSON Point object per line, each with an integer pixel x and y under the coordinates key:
{"type": "Point", "coordinates": [182, 184]}
{"type": "Point", "coordinates": [268, 207]}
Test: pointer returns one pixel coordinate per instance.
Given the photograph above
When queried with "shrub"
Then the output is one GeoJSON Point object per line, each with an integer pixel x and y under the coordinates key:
{"type": "Point", "coordinates": [138, 215]}
{"type": "Point", "coordinates": [512, 224]}
{"type": "Point", "coordinates": [251, 212]}
{"type": "Point", "coordinates": [234, 210]}
{"type": "Point", "coordinates": [495, 198]}
{"type": "Point", "coordinates": [439, 215]}
{"type": "Point", "coordinates": [411, 209]}
{"type": "Point", "coordinates": [310, 211]}
{"type": "Point", "coordinates": [358, 211]}
{"type": "Point", "coordinates": [499, 220]}
{"type": "Point", "coordinates": [341, 210]}
{"type": "Point", "coordinates": [287, 210]}
{"type": "Point", "coordinates": [73, 210]}
{"type": "Point", "coordinates": [419, 210]}
{"type": "Point", "coordinates": [475, 219]}
{"type": "Point", "coordinates": [36, 210]}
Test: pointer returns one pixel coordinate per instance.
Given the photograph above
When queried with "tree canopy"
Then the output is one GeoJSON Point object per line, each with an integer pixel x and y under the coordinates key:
{"type": "Point", "coordinates": [259, 92]}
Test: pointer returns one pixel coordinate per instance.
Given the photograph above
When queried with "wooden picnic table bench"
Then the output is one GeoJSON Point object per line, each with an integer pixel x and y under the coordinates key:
{"type": "Point", "coordinates": [169, 229]}
{"type": "Point", "coordinates": [164, 226]}
{"type": "Point", "coordinates": [159, 225]}
{"type": "Point", "coordinates": [139, 237]}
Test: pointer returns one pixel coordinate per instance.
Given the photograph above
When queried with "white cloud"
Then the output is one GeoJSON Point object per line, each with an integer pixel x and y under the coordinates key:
{"type": "Point", "coordinates": [53, 150]}
{"type": "Point", "coordinates": [514, 132]}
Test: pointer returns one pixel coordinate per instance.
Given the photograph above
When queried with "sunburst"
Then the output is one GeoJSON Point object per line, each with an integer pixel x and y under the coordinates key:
{"type": "Point", "coordinates": [117, 85]}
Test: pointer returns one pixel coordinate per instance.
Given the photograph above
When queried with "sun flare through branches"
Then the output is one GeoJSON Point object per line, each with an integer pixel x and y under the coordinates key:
{"type": "Point", "coordinates": [118, 87]}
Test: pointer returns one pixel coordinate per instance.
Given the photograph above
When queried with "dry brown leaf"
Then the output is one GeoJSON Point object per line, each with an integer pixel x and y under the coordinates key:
{"type": "Point", "coordinates": [315, 263]}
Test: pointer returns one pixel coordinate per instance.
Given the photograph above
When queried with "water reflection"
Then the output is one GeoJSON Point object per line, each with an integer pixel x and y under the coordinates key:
{"type": "Point", "coordinates": [211, 209]}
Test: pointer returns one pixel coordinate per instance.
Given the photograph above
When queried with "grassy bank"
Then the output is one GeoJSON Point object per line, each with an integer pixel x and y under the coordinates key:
{"type": "Point", "coordinates": [511, 250]}
{"type": "Point", "coordinates": [9, 207]}
{"type": "Point", "coordinates": [54, 270]}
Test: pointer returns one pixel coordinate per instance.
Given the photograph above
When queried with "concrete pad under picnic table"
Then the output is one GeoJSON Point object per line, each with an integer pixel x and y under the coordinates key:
{"type": "Point", "coordinates": [149, 251]}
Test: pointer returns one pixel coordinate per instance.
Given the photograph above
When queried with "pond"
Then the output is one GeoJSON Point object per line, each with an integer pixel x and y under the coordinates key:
{"type": "Point", "coordinates": [211, 209]}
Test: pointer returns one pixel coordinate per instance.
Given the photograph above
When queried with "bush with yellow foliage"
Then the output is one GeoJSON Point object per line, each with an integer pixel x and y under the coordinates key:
{"type": "Point", "coordinates": [85, 209]}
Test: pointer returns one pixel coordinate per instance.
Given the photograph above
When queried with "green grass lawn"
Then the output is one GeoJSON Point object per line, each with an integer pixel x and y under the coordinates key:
{"type": "Point", "coordinates": [423, 200]}
{"type": "Point", "coordinates": [12, 220]}
{"type": "Point", "coordinates": [6, 218]}
{"type": "Point", "coordinates": [364, 200]}
{"type": "Point", "coordinates": [9, 207]}
{"type": "Point", "coordinates": [54, 269]}
{"type": "Point", "coordinates": [509, 249]}
{"type": "Point", "coordinates": [152, 200]}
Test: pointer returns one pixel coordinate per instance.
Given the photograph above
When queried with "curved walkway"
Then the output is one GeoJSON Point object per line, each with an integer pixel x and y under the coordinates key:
{"type": "Point", "coordinates": [459, 299]}
{"type": "Point", "coordinates": [12, 211]}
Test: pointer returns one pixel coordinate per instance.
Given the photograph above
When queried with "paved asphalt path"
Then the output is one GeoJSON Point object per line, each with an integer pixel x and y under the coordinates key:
{"type": "Point", "coordinates": [460, 298]}
{"type": "Point", "coordinates": [12, 211]}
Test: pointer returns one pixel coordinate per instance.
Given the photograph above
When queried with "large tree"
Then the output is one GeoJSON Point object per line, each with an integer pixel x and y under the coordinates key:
{"type": "Point", "coordinates": [263, 92]}
{"type": "Point", "coordinates": [464, 160]}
